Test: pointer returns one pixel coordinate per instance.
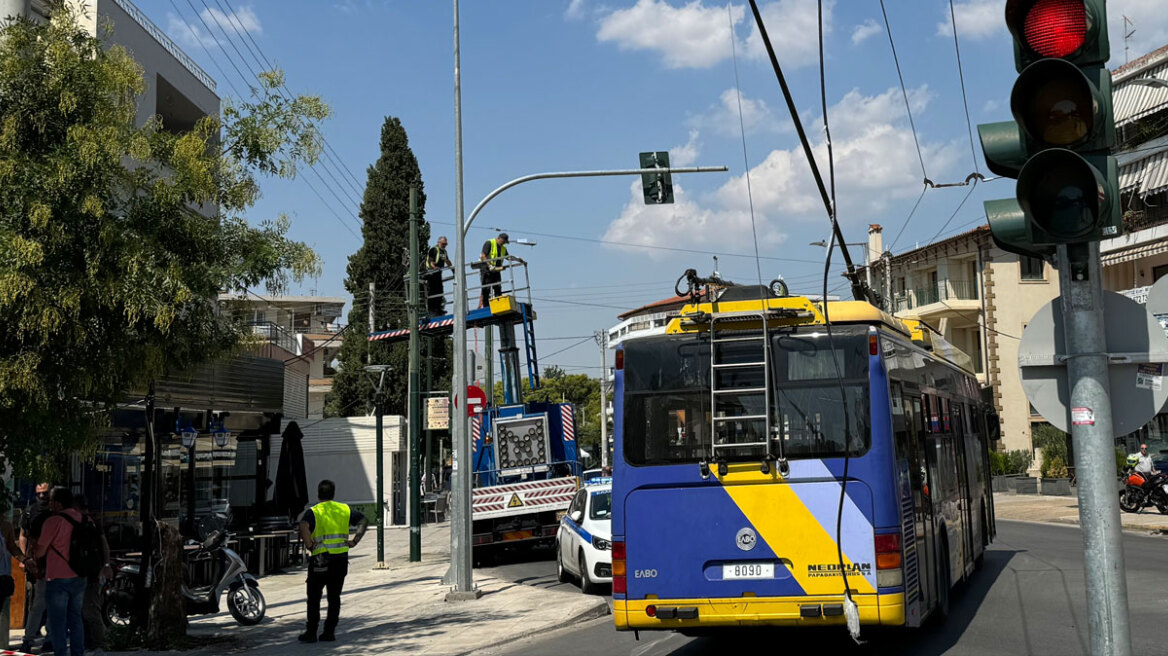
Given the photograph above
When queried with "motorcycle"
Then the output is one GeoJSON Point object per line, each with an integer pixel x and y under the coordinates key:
{"type": "Point", "coordinates": [1143, 490]}
{"type": "Point", "coordinates": [244, 599]}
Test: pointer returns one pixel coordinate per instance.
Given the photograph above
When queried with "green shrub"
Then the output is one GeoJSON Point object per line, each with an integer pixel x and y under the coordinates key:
{"type": "Point", "coordinates": [1053, 443]}
{"type": "Point", "coordinates": [1018, 461]}
{"type": "Point", "coordinates": [1120, 461]}
{"type": "Point", "coordinates": [998, 463]}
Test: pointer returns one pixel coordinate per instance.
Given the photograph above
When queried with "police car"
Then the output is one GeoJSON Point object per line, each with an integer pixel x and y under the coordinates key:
{"type": "Point", "coordinates": [583, 541]}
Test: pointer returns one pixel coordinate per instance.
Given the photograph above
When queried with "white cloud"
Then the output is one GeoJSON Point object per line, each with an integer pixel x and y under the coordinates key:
{"type": "Point", "coordinates": [696, 35]}
{"type": "Point", "coordinates": [793, 27]}
{"type": "Point", "coordinates": [865, 30]}
{"type": "Point", "coordinates": [1148, 19]}
{"type": "Point", "coordinates": [687, 154]}
{"type": "Point", "coordinates": [575, 10]}
{"type": "Point", "coordinates": [976, 20]}
{"type": "Point", "coordinates": [723, 118]}
{"type": "Point", "coordinates": [191, 33]}
{"type": "Point", "coordinates": [876, 167]}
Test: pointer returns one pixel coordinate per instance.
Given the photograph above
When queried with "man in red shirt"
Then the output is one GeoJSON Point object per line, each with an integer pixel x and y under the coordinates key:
{"type": "Point", "coordinates": [64, 589]}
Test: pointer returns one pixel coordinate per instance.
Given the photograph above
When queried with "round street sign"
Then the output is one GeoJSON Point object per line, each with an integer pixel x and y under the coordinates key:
{"type": "Point", "coordinates": [476, 400]}
{"type": "Point", "coordinates": [1139, 361]}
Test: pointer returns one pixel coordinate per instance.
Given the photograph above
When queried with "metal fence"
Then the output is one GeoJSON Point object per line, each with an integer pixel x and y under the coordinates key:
{"type": "Point", "coordinates": [944, 290]}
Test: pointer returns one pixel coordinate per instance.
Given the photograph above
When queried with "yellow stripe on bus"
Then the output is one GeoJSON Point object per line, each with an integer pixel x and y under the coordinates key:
{"type": "Point", "coordinates": [795, 535]}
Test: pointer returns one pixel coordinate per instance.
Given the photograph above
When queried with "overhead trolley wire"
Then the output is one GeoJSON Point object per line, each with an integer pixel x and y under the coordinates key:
{"type": "Point", "coordinates": [961, 77]}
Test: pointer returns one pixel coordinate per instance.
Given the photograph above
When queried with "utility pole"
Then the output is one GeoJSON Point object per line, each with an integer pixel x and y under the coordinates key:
{"type": "Point", "coordinates": [415, 392]}
{"type": "Point", "coordinates": [1080, 281]}
{"type": "Point", "coordinates": [602, 340]}
{"type": "Point", "coordinates": [378, 407]}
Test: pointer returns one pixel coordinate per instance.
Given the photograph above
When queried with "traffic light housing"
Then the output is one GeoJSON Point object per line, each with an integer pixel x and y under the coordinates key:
{"type": "Point", "coordinates": [1058, 145]}
{"type": "Point", "coordinates": [657, 187]}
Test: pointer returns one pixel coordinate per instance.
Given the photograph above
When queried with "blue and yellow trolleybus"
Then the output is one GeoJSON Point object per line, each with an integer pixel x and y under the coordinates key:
{"type": "Point", "coordinates": [762, 461]}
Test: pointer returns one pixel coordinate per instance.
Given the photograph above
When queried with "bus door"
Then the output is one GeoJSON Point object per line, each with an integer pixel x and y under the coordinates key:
{"type": "Point", "coordinates": [922, 503]}
{"type": "Point", "coordinates": [965, 468]}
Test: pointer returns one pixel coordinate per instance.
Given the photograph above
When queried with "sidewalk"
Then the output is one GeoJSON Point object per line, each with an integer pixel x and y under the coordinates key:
{"type": "Point", "coordinates": [1065, 510]}
{"type": "Point", "coordinates": [399, 610]}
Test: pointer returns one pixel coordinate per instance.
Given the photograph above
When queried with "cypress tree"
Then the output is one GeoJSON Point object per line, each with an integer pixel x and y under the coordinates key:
{"type": "Point", "coordinates": [382, 259]}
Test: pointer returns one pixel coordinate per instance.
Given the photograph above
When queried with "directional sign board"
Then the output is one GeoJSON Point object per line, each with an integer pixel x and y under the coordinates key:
{"type": "Point", "coordinates": [1138, 350]}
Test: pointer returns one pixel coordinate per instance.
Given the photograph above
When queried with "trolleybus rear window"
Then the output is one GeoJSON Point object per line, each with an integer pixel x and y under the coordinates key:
{"type": "Point", "coordinates": [667, 403]}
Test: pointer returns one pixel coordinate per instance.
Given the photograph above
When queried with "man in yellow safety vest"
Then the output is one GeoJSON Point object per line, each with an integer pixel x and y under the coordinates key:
{"type": "Point", "coordinates": [494, 252]}
{"type": "Point", "coordinates": [325, 531]}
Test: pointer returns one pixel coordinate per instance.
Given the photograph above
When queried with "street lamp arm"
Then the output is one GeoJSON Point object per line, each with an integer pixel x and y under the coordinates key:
{"type": "Point", "coordinates": [580, 174]}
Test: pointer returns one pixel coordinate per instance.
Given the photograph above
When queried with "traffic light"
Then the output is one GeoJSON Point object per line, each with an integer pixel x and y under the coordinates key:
{"type": "Point", "coordinates": [1058, 145]}
{"type": "Point", "coordinates": [657, 187]}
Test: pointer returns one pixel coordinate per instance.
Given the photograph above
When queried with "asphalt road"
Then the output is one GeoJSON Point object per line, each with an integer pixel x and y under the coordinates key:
{"type": "Point", "coordinates": [1028, 600]}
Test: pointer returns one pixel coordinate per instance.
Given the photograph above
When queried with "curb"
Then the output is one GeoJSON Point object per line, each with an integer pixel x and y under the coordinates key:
{"type": "Point", "coordinates": [599, 609]}
{"type": "Point", "coordinates": [1139, 530]}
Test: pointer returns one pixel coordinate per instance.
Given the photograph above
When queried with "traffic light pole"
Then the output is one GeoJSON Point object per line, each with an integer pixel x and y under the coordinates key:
{"type": "Point", "coordinates": [1080, 274]}
{"type": "Point", "coordinates": [415, 388]}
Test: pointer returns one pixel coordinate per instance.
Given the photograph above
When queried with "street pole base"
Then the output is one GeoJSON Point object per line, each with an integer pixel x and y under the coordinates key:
{"type": "Point", "coordinates": [464, 595]}
{"type": "Point", "coordinates": [381, 565]}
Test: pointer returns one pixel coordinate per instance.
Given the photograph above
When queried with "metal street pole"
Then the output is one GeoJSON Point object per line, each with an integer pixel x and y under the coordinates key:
{"type": "Point", "coordinates": [378, 404]}
{"type": "Point", "coordinates": [460, 534]}
{"type": "Point", "coordinates": [602, 340]}
{"type": "Point", "coordinates": [460, 512]}
{"type": "Point", "coordinates": [415, 391]}
{"type": "Point", "coordinates": [1080, 281]}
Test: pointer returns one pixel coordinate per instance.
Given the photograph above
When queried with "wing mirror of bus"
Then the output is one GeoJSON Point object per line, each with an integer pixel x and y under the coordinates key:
{"type": "Point", "coordinates": [994, 427]}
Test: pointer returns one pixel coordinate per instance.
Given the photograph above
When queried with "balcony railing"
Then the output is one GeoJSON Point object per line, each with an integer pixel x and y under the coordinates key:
{"type": "Point", "coordinates": [945, 290]}
{"type": "Point", "coordinates": [272, 334]}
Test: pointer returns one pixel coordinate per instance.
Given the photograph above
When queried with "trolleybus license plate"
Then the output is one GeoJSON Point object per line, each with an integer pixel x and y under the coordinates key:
{"type": "Point", "coordinates": [748, 571]}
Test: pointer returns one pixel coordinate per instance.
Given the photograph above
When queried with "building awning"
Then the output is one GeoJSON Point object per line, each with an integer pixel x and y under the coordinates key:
{"type": "Point", "coordinates": [1145, 176]}
{"type": "Point", "coordinates": [1134, 253]}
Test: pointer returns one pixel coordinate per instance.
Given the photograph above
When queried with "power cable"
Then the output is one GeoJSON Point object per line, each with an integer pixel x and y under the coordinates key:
{"type": "Point", "coordinates": [904, 92]}
{"type": "Point", "coordinates": [338, 162]}
{"type": "Point", "coordinates": [913, 211]}
{"type": "Point", "coordinates": [612, 242]}
{"type": "Point", "coordinates": [568, 348]}
{"type": "Point", "coordinates": [255, 73]}
{"type": "Point", "coordinates": [227, 79]}
{"type": "Point", "coordinates": [954, 214]}
{"type": "Point", "coordinates": [961, 77]}
{"type": "Point", "coordinates": [745, 158]}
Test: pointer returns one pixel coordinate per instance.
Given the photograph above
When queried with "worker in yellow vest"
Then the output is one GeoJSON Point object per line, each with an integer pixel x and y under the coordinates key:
{"type": "Point", "coordinates": [492, 257]}
{"type": "Point", "coordinates": [325, 531]}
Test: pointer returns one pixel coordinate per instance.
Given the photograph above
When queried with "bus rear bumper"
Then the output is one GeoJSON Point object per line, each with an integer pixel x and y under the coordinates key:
{"type": "Point", "coordinates": [672, 614]}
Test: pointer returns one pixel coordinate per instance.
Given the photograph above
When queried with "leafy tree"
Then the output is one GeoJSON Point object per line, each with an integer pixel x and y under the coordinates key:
{"type": "Point", "coordinates": [385, 213]}
{"type": "Point", "coordinates": [107, 270]}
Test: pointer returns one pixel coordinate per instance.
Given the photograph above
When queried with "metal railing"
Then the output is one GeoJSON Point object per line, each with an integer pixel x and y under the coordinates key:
{"type": "Point", "coordinates": [944, 290]}
{"type": "Point", "coordinates": [513, 281]}
{"type": "Point", "coordinates": [164, 41]}
{"type": "Point", "coordinates": [274, 334]}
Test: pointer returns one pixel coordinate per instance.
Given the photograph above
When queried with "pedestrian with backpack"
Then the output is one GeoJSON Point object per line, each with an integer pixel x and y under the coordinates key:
{"type": "Point", "coordinates": [67, 546]}
{"type": "Point", "coordinates": [91, 611]}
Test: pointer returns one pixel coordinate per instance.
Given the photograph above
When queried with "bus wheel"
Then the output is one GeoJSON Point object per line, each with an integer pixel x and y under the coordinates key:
{"type": "Point", "coordinates": [943, 587]}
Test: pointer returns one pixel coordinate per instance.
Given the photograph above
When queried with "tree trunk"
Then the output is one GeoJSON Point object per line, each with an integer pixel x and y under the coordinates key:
{"type": "Point", "coordinates": [168, 618]}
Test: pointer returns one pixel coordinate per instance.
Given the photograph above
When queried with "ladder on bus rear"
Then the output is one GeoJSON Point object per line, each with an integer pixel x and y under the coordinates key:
{"type": "Point", "coordinates": [725, 378]}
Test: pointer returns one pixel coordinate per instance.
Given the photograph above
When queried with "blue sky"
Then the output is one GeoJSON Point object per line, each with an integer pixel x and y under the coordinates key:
{"type": "Point", "coordinates": [554, 85]}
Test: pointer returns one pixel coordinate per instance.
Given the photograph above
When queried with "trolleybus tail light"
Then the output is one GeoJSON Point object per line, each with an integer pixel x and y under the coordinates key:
{"type": "Point", "coordinates": [888, 561]}
{"type": "Point", "coordinates": [651, 610]}
{"type": "Point", "coordinates": [619, 580]}
{"type": "Point", "coordinates": [873, 344]}
{"type": "Point", "coordinates": [620, 359]}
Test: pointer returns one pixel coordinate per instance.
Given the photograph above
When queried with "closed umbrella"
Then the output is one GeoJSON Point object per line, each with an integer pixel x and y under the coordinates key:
{"type": "Point", "coordinates": [291, 482]}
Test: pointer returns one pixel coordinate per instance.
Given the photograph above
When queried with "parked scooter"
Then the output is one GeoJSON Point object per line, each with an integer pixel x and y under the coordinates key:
{"type": "Point", "coordinates": [244, 599]}
{"type": "Point", "coordinates": [1143, 490]}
